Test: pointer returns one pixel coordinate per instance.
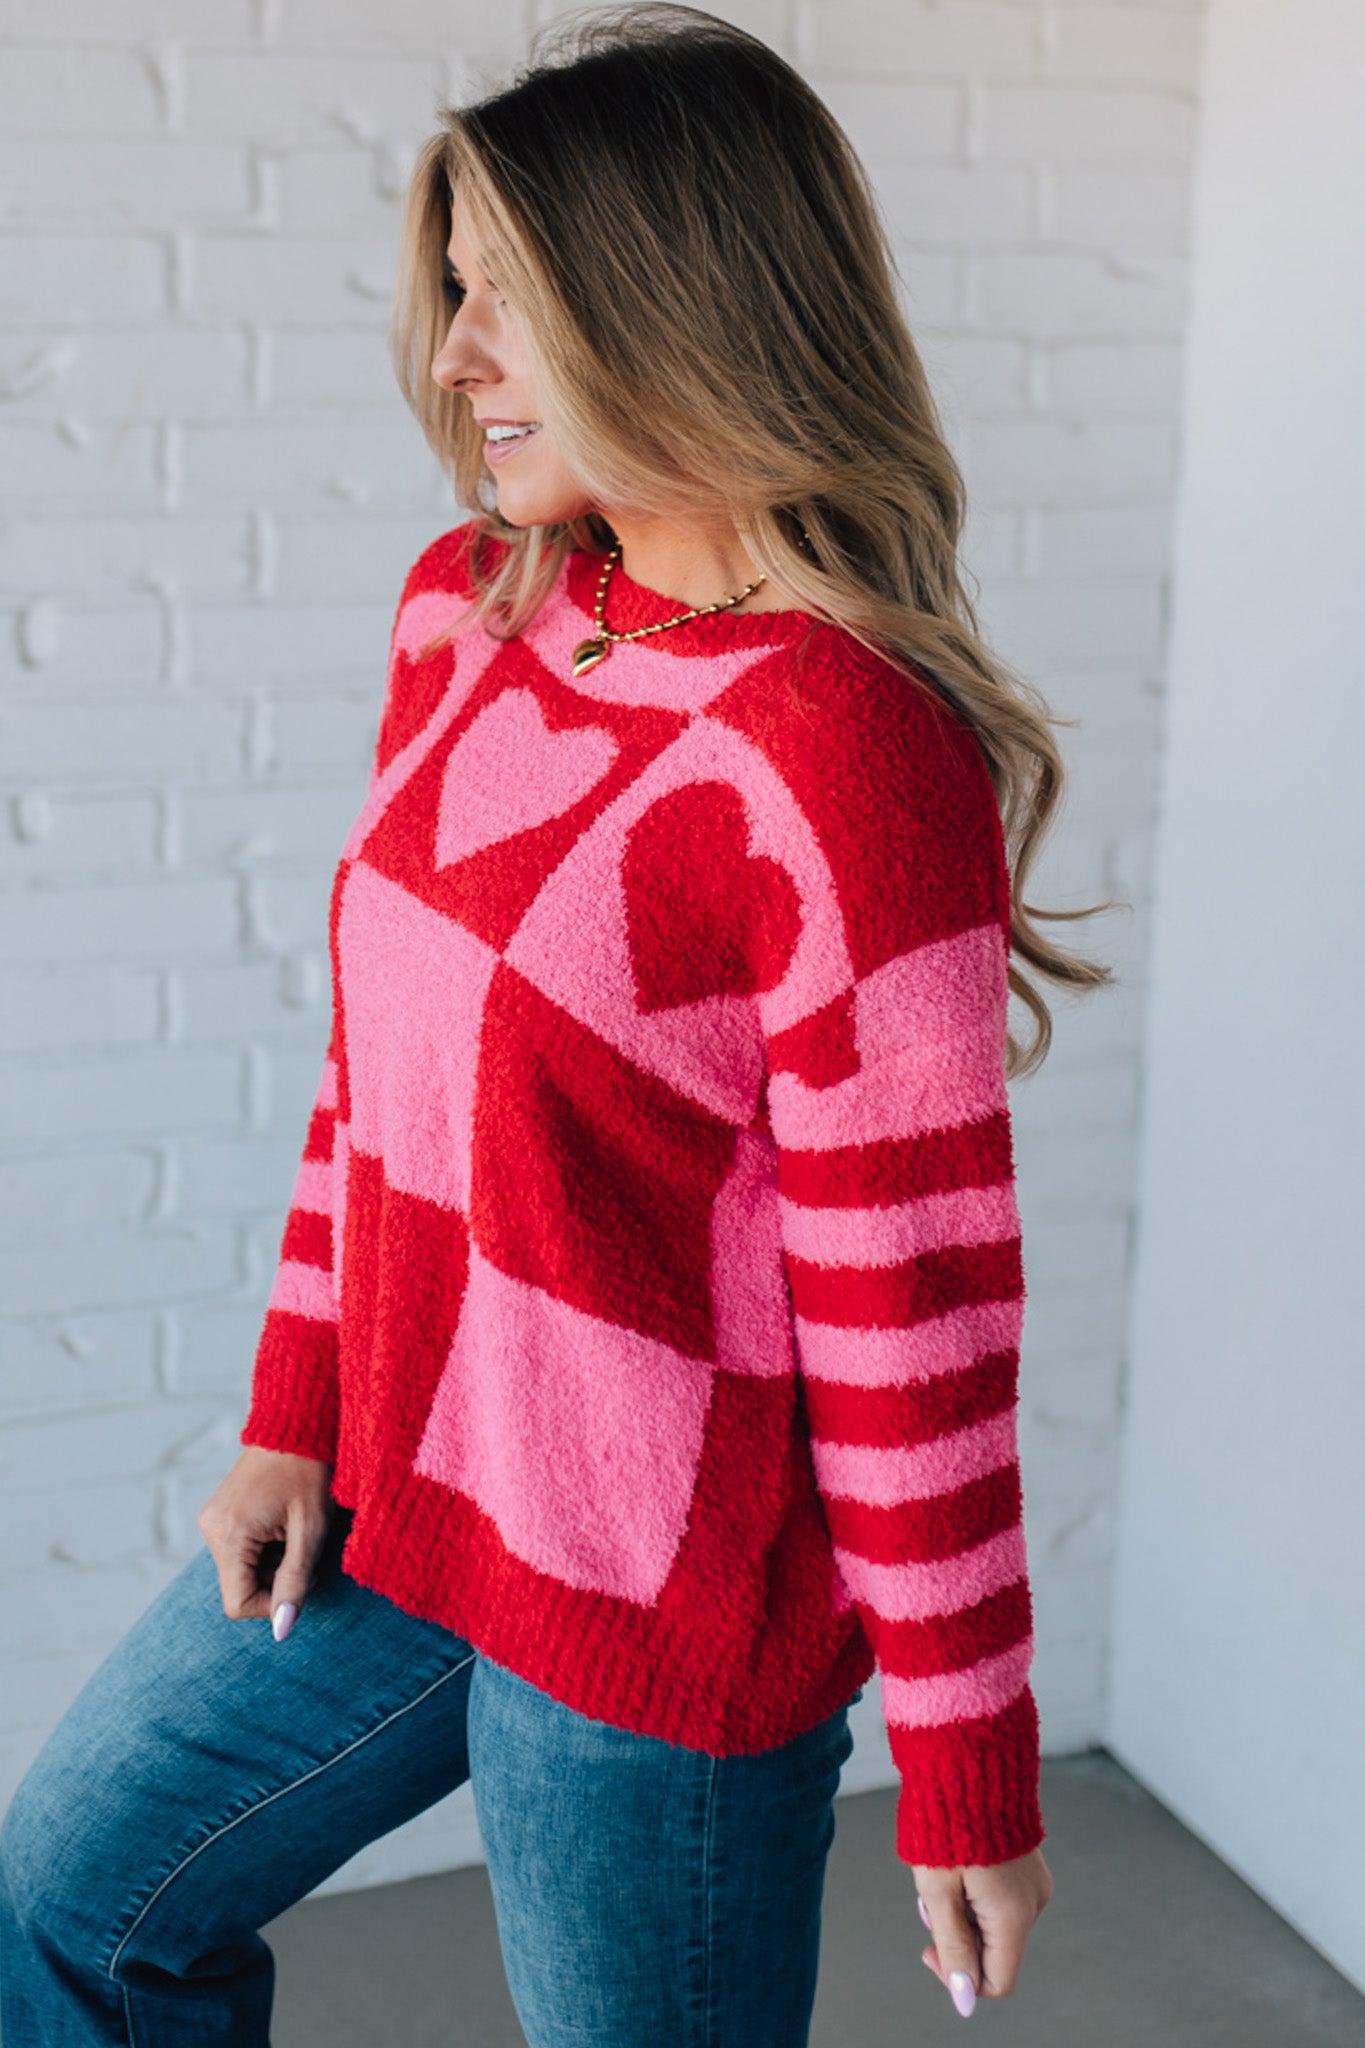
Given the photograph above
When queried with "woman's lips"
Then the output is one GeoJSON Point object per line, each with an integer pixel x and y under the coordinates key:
{"type": "Point", "coordinates": [498, 451]}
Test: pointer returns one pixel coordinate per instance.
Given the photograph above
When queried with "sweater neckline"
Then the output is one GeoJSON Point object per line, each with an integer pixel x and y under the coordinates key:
{"type": "Point", "coordinates": [631, 604]}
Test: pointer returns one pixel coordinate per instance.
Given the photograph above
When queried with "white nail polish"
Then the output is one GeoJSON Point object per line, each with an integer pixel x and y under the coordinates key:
{"type": "Point", "coordinates": [964, 1992]}
{"type": "Point", "coordinates": [282, 1620]}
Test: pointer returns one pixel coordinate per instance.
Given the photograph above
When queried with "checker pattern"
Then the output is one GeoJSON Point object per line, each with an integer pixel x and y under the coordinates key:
{"type": "Point", "coordinates": [669, 1027]}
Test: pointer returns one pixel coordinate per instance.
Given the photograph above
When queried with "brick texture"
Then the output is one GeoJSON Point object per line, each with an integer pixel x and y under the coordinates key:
{"type": "Point", "coordinates": [212, 490]}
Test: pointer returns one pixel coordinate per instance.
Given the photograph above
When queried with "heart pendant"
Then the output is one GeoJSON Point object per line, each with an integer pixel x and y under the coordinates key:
{"type": "Point", "coordinates": [588, 653]}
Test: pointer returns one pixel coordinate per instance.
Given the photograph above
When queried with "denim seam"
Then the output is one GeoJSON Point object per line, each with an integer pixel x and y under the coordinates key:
{"type": "Point", "coordinates": [708, 2030]}
{"type": "Point", "coordinates": [279, 1793]}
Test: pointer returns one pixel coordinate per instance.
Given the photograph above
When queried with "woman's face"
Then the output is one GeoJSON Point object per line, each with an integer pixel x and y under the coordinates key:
{"type": "Point", "coordinates": [484, 359]}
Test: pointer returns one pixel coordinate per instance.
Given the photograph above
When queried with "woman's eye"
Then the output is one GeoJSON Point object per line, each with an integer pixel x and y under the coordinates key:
{"type": "Point", "coordinates": [455, 295]}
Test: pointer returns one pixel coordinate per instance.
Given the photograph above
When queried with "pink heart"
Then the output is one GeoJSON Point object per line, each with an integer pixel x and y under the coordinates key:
{"type": "Point", "coordinates": [508, 772]}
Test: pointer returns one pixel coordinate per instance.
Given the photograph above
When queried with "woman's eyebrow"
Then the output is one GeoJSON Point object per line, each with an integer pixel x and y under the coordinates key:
{"type": "Point", "coordinates": [449, 269]}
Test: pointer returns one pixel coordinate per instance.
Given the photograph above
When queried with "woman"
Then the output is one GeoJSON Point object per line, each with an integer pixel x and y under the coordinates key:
{"type": "Point", "coordinates": [641, 1366]}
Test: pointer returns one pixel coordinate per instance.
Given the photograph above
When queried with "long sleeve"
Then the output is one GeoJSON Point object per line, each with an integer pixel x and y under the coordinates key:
{"type": "Point", "coordinates": [294, 1383]}
{"type": "Point", "coordinates": [294, 1391]}
{"type": "Point", "coordinates": [901, 1242]}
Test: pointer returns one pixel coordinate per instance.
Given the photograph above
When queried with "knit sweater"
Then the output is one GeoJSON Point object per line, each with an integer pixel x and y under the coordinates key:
{"type": "Point", "coordinates": [652, 1282]}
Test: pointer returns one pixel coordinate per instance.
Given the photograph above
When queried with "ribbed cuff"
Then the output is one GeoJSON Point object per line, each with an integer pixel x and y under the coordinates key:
{"type": "Point", "coordinates": [294, 1403]}
{"type": "Point", "coordinates": [969, 1793]}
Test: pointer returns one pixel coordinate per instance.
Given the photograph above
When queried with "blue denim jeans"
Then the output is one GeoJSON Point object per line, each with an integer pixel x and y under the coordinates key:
{"type": "Point", "coordinates": [206, 1778]}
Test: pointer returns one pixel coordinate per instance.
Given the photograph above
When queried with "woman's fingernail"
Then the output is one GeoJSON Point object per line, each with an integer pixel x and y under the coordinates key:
{"type": "Point", "coordinates": [924, 1913]}
{"type": "Point", "coordinates": [282, 1620]}
{"type": "Point", "coordinates": [964, 1992]}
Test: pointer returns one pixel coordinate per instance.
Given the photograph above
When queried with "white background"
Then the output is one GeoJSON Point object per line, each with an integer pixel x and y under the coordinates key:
{"type": "Point", "coordinates": [1239, 1622]}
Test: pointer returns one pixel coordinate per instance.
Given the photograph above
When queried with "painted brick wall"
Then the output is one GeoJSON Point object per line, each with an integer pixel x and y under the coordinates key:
{"type": "Point", "coordinates": [211, 490]}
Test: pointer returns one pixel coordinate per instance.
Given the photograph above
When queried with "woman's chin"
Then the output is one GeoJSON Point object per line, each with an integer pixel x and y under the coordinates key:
{"type": "Point", "coordinates": [525, 502]}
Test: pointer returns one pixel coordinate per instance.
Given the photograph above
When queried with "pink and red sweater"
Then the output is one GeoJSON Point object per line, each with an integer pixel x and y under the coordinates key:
{"type": "Point", "coordinates": [652, 1281]}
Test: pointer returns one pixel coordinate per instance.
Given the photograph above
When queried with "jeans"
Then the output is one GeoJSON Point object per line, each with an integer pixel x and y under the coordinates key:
{"type": "Point", "coordinates": [206, 1778]}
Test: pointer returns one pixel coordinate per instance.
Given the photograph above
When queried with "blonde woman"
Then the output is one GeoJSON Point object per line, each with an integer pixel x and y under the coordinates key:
{"type": "Point", "coordinates": [640, 1371]}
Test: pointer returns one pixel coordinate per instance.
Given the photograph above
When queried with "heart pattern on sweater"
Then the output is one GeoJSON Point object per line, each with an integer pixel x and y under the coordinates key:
{"type": "Point", "coordinates": [508, 772]}
{"type": "Point", "coordinates": [725, 921]}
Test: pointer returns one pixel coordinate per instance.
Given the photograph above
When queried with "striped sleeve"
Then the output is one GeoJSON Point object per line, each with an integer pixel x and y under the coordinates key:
{"type": "Point", "coordinates": [294, 1383]}
{"type": "Point", "coordinates": [902, 1246]}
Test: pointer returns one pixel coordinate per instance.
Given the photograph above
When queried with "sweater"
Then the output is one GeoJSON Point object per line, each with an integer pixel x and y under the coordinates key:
{"type": "Point", "coordinates": [652, 1281]}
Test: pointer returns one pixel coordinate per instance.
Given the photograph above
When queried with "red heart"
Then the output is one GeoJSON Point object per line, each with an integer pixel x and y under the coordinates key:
{"type": "Point", "coordinates": [704, 916]}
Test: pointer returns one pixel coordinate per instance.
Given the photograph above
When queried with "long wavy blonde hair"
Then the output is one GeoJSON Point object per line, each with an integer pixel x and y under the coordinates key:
{"type": "Point", "coordinates": [711, 313]}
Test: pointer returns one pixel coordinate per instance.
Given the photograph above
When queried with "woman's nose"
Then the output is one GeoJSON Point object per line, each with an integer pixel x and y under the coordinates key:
{"type": "Point", "coordinates": [452, 365]}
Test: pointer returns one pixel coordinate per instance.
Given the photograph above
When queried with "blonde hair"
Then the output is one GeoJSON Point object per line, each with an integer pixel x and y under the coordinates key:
{"type": "Point", "coordinates": [710, 307]}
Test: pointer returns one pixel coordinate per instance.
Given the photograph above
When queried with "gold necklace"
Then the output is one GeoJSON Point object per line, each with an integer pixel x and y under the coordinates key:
{"type": "Point", "coordinates": [589, 652]}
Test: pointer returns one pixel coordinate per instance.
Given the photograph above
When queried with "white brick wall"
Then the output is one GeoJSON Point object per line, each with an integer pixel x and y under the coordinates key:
{"type": "Point", "coordinates": [211, 492]}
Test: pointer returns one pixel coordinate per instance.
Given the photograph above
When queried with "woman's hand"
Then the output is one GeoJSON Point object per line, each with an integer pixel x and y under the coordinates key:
{"type": "Point", "coordinates": [265, 1525]}
{"type": "Point", "coordinates": [980, 1916]}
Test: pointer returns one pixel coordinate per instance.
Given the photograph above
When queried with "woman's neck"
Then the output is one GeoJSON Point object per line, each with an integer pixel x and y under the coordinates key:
{"type": "Point", "coordinates": [696, 565]}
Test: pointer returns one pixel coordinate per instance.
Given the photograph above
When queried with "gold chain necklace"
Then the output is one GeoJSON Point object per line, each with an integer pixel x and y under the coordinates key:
{"type": "Point", "coordinates": [589, 652]}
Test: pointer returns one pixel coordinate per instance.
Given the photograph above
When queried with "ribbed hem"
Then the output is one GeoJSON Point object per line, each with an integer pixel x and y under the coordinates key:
{"type": "Point", "coordinates": [294, 1388]}
{"type": "Point", "coordinates": [969, 1792]}
{"type": "Point", "coordinates": [684, 1676]}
